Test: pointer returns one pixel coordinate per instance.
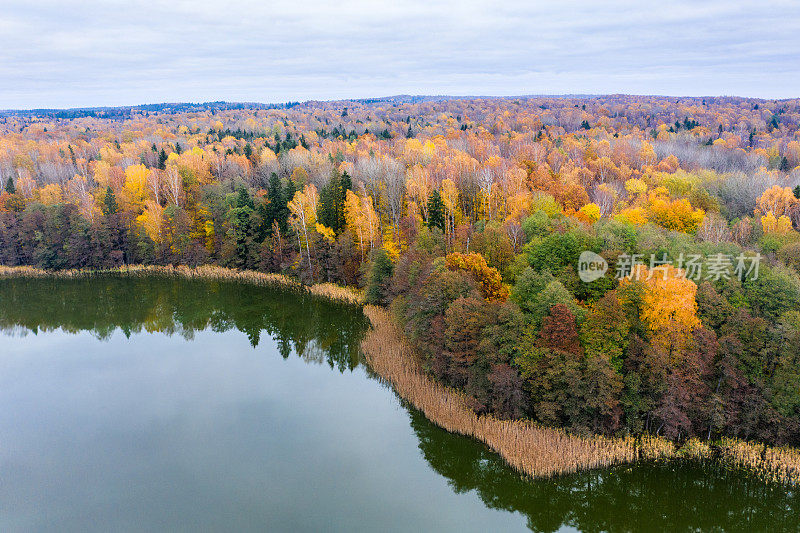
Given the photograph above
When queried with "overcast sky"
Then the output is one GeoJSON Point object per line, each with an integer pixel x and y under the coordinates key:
{"type": "Point", "coordinates": [90, 53]}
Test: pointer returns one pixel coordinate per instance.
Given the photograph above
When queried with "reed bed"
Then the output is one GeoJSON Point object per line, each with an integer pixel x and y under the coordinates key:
{"type": "Point", "coordinates": [528, 447]}
{"type": "Point", "coordinates": [778, 464]}
{"type": "Point", "coordinates": [337, 292]}
{"type": "Point", "coordinates": [655, 448]}
{"type": "Point", "coordinates": [696, 449]}
{"type": "Point", "coordinates": [205, 272]}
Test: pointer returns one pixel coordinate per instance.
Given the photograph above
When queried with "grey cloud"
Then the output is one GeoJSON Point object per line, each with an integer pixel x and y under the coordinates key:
{"type": "Point", "coordinates": [115, 52]}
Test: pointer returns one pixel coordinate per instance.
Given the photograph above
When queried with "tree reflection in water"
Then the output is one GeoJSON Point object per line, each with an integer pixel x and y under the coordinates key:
{"type": "Point", "coordinates": [316, 329]}
{"type": "Point", "coordinates": [653, 497]}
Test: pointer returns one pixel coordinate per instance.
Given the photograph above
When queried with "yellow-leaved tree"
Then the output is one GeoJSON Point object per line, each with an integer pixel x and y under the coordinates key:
{"type": "Point", "coordinates": [150, 220]}
{"type": "Point", "coordinates": [134, 191]}
{"type": "Point", "coordinates": [776, 225]}
{"type": "Point", "coordinates": [50, 194]}
{"type": "Point", "coordinates": [777, 200]}
{"type": "Point", "coordinates": [669, 306]}
{"type": "Point", "coordinates": [490, 283]}
{"type": "Point", "coordinates": [362, 220]}
{"type": "Point", "coordinates": [326, 232]}
{"type": "Point", "coordinates": [635, 187]}
{"type": "Point", "coordinates": [303, 208]}
{"type": "Point", "coordinates": [590, 213]}
{"type": "Point", "coordinates": [633, 215]}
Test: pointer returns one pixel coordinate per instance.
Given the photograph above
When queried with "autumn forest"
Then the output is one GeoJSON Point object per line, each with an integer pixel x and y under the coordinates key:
{"type": "Point", "coordinates": [467, 219]}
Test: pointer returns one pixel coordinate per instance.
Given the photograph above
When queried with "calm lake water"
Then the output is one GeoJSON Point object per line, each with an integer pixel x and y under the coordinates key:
{"type": "Point", "coordinates": [152, 404]}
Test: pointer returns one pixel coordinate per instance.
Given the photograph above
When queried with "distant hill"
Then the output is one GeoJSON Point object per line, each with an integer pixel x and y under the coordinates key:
{"type": "Point", "coordinates": [124, 112]}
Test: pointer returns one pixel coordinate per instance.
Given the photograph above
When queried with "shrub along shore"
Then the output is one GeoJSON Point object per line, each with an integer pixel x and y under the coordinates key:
{"type": "Point", "coordinates": [529, 448]}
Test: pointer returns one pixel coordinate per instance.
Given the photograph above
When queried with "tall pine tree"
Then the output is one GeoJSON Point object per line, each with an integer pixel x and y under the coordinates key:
{"type": "Point", "coordinates": [436, 210]}
{"type": "Point", "coordinates": [332, 198]}
{"type": "Point", "coordinates": [162, 159]}
{"type": "Point", "coordinates": [109, 206]}
{"type": "Point", "coordinates": [282, 213]}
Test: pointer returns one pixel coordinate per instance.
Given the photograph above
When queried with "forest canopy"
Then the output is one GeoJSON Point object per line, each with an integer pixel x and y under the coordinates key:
{"type": "Point", "coordinates": [469, 218]}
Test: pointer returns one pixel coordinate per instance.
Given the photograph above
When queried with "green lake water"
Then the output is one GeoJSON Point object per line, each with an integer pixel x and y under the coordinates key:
{"type": "Point", "coordinates": [149, 404]}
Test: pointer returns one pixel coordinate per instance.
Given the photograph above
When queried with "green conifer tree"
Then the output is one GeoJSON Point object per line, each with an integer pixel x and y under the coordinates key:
{"type": "Point", "coordinates": [436, 210]}
{"type": "Point", "coordinates": [109, 202]}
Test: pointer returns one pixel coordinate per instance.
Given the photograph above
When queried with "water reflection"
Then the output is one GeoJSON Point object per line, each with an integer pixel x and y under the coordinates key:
{"type": "Point", "coordinates": [318, 331]}
{"type": "Point", "coordinates": [658, 497]}
{"type": "Point", "coordinates": [654, 497]}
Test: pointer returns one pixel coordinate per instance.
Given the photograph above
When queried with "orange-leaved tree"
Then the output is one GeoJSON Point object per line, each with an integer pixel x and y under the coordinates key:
{"type": "Point", "coordinates": [778, 200]}
{"type": "Point", "coordinates": [676, 215]}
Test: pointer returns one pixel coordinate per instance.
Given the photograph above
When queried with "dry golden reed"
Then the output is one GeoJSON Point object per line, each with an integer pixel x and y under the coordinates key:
{"type": "Point", "coordinates": [205, 272]}
{"type": "Point", "coordinates": [539, 451]}
{"type": "Point", "coordinates": [337, 292]}
{"type": "Point", "coordinates": [529, 448]}
{"type": "Point", "coordinates": [780, 464]}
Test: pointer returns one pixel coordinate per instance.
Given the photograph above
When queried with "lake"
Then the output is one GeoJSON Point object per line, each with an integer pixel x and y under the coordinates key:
{"type": "Point", "coordinates": [150, 404]}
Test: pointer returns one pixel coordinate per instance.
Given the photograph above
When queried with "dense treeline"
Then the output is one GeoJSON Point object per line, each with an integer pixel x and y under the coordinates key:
{"type": "Point", "coordinates": [468, 218]}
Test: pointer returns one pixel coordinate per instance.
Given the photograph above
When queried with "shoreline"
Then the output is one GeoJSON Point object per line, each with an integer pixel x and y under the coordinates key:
{"type": "Point", "coordinates": [527, 447]}
{"type": "Point", "coordinates": [539, 451]}
{"type": "Point", "coordinates": [205, 272]}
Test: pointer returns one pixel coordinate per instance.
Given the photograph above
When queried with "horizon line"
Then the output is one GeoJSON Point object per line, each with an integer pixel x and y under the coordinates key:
{"type": "Point", "coordinates": [377, 99]}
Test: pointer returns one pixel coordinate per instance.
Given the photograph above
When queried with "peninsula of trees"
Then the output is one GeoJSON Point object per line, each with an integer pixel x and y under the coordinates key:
{"type": "Point", "coordinates": [467, 218]}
